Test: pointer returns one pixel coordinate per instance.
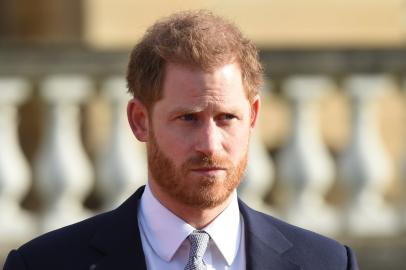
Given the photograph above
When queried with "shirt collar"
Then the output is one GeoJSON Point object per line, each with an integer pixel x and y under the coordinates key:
{"type": "Point", "coordinates": [225, 230]}
{"type": "Point", "coordinates": [166, 237]}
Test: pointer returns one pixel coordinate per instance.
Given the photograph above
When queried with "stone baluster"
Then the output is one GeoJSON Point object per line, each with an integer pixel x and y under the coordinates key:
{"type": "Point", "coordinates": [403, 171]}
{"type": "Point", "coordinates": [259, 176]}
{"type": "Point", "coordinates": [15, 174]}
{"type": "Point", "coordinates": [306, 169]}
{"type": "Point", "coordinates": [365, 166]}
{"type": "Point", "coordinates": [122, 166]}
{"type": "Point", "coordinates": [63, 172]}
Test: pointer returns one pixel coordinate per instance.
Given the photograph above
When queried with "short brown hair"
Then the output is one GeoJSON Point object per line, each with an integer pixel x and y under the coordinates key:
{"type": "Point", "coordinates": [195, 38]}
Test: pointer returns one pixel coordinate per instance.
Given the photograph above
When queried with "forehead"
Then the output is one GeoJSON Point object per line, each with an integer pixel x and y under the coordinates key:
{"type": "Point", "coordinates": [219, 84]}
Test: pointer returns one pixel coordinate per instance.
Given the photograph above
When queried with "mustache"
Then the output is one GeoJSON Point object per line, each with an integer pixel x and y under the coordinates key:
{"type": "Point", "coordinates": [203, 161]}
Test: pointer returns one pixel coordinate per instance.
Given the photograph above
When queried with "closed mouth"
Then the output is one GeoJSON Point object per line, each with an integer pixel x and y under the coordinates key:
{"type": "Point", "coordinates": [208, 169]}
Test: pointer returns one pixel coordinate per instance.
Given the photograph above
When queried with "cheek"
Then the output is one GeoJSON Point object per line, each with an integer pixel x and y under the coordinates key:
{"type": "Point", "coordinates": [174, 146]}
{"type": "Point", "coordinates": [236, 143]}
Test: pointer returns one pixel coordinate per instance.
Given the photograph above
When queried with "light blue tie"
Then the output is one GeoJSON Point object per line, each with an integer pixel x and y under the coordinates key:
{"type": "Point", "coordinates": [198, 245]}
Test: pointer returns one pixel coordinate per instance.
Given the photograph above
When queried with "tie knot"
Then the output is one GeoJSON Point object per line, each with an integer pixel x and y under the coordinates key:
{"type": "Point", "coordinates": [199, 241]}
{"type": "Point", "coordinates": [198, 245]}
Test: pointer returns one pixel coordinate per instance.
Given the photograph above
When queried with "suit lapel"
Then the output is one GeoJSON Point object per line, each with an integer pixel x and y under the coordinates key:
{"type": "Point", "coordinates": [266, 247]}
{"type": "Point", "coordinates": [119, 240]}
{"type": "Point", "coordinates": [120, 244]}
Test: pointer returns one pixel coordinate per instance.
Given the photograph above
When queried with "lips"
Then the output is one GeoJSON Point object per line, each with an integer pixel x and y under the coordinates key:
{"type": "Point", "coordinates": [208, 170]}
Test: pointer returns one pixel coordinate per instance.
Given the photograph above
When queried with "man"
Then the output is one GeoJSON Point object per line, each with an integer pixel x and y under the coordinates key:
{"type": "Point", "coordinates": [194, 80]}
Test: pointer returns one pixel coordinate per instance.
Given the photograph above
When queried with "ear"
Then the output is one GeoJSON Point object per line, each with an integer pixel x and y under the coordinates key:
{"type": "Point", "coordinates": [137, 115]}
{"type": "Point", "coordinates": [255, 107]}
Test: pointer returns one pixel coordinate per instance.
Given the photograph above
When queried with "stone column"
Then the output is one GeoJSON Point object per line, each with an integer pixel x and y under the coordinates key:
{"type": "Point", "coordinates": [305, 166]}
{"type": "Point", "coordinates": [366, 167]}
{"type": "Point", "coordinates": [63, 171]}
{"type": "Point", "coordinates": [122, 166]}
{"type": "Point", "coordinates": [15, 174]}
{"type": "Point", "coordinates": [403, 171]}
{"type": "Point", "coordinates": [259, 176]}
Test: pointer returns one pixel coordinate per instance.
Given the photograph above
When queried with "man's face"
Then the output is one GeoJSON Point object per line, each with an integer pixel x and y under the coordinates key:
{"type": "Point", "coordinates": [199, 133]}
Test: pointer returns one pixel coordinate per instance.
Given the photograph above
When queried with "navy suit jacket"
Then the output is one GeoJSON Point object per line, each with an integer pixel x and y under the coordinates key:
{"type": "Point", "coordinates": [112, 241]}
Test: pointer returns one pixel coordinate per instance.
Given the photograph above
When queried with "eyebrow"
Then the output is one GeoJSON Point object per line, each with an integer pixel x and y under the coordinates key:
{"type": "Point", "coordinates": [184, 110]}
{"type": "Point", "coordinates": [197, 109]}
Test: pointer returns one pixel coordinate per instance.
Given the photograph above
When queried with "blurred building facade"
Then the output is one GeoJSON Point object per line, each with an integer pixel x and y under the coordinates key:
{"type": "Point", "coordinates": [330, 154]}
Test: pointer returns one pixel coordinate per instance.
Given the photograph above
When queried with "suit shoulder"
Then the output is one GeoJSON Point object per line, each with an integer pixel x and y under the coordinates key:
{"type": "Point", "coordinates": [303, 237]}
{"type": "Point", "coordinates": [295, 234]}
{"type": "Point", "coordinates": [82, 244]}
{"type": "Point", "coordinates": [308, 248]}
{"type": "Point", "coordinates": [69, 236]}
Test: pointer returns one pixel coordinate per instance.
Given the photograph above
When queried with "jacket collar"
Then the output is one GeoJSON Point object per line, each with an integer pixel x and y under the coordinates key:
{"type": "Point", "coordinates": [120, 242]}
{"type": "Point", "coordinates": [119, 239]}
{"type": "Point", "coordinates": [266, 247]}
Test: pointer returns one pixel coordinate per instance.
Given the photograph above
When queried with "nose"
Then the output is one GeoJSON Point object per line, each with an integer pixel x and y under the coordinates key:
{"type": "Point", "coordinates": [208, 139]}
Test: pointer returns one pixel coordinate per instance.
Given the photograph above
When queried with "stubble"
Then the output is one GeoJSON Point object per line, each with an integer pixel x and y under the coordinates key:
{"type": "Point", "coordinates": [201, 192]}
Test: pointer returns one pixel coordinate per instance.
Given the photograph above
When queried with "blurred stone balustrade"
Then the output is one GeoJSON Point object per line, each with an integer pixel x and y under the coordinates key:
{"type": "Point", "coordinates": [329, 153]}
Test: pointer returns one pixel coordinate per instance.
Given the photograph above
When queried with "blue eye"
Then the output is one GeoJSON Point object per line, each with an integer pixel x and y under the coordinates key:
{"type": "Point", "coordinates": [227, 116]}
{"type": "Point", "coordinates": [188, 117]}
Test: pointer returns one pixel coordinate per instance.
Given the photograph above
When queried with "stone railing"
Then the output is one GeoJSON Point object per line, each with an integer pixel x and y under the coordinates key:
{"type": "Point", "coordinates": [84, 159]}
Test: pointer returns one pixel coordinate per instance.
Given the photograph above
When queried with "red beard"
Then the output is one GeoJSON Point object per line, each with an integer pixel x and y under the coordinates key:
{"type": "Point", "coordinates": [200, 192]}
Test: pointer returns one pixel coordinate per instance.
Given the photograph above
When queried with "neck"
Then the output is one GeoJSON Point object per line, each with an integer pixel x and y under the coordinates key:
{"type": "Point", "coordinates": [194, 216]}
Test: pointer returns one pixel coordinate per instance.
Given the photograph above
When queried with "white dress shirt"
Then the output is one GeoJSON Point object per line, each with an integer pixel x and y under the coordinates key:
{"type": "Point", "coordinates": [164, 237]}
